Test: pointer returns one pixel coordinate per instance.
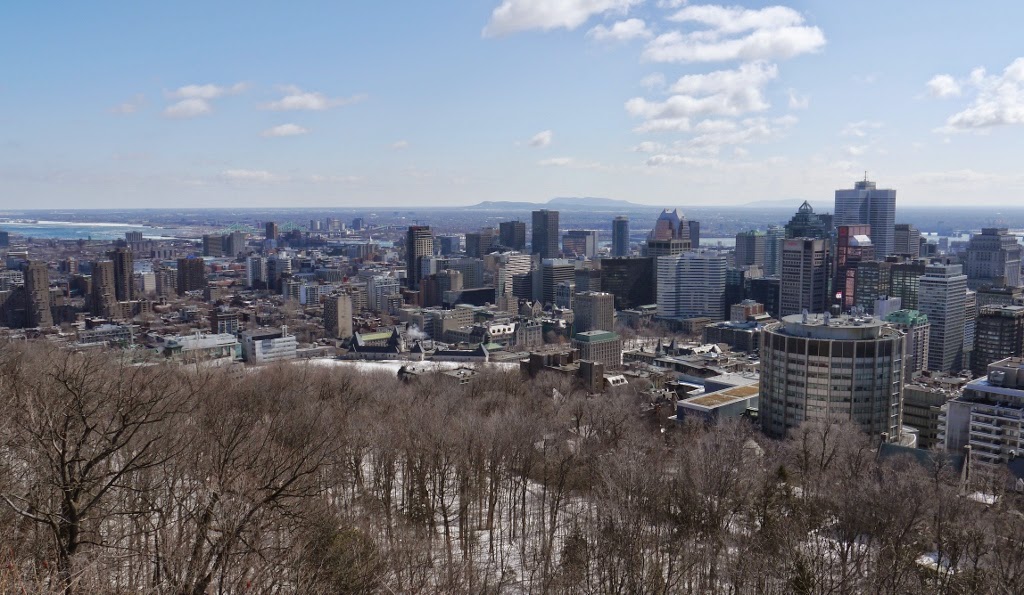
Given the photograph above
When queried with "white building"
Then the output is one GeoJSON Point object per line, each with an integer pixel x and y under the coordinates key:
{"type": "Point", "coordinates": [202, 346]}
{"type": "Point", "coordinates": [268, 345]}
{"type": "Point", "coordinates": [508, 265]}
{"type": "Point", "coordinates": [378, 288]}
{"type": "Point", "coordinates": [942, 297]}
{"type": "Point", "coordinates": [692, 284]}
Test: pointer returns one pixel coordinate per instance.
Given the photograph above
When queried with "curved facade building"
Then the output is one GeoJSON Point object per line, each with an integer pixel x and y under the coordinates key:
{"type": "Point", "coordinates": [820, 368]}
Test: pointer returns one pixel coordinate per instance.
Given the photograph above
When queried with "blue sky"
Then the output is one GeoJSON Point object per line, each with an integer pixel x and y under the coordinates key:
{"type": "Point", "coordinates": [234, 104]}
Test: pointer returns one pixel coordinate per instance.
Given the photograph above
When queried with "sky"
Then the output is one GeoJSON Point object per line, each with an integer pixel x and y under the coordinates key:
{"type": "Point", "coordinates": [109, 104]}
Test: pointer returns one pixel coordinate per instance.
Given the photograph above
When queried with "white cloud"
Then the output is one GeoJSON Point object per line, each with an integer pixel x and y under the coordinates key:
{"type": "Point", "coordinates": [665, 159]}
{"type": "Point", "coordinates": [542, 139]}
{"type": "Point", "coordinates": [710, 136]}
{"type": "Point", "coordinates": [621, 31]}
{"type": "Point", "coordinates": [860, 129]}
{"type": "Point", "coordinates": [297, 99]}
{"type": "Point", "coordinates": [943, 85]}
{"type": "Point", "coordinates": [207, 91]}
{"type": "Point", "coordinates": [649, 147]}
{"type": "Point", "coordinates": [400, 144]}
{"type": "Point", "coordinates": [655, 80]}
{"type": "Point", "coordinates": [129, 107]}
{"type": "Point", "coordinates": [998, 100]}
{"type": "Point", "coordinates": [720, 93]}
{"type": "Point", "coordinates": [512, 16]}
{"type": "Point", "coordinates": [321, 179]}
{"type": "Point", "coordinates": [188, 108]}
{"type": "Point", "coordinates": [733, 33]}
{"type": "Point", "coordinates": [250, 175]}
{"type": "Point", "coordinates": [797, 101]}
{"type": "Point", "coordinates": [557, 161]}
{"type": "Point", "coordinates": [285, 130]}
{"type": "Point", "coordinates": [856, 150]}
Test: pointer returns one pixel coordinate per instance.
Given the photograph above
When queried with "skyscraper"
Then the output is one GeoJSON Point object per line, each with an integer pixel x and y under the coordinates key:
{"type": "Point", "coordinates": [480, 242]}
{"type": "Point", "coordinates": [867, 205]}
{"type": "Point", "coordinates": [580, 242]}
{"type": "Point", "coordinates": [804, 278]}
{"type": "Point", "coordinates": [750, 248]}
{"type": "Point", "coordinates": [906, 241]}
{"type": "Point", "coordinates": [545, 233]}
{"type": "Point", "coordinates": [917, 330]}
{"type": "Point", "coordinates": [773, 250]}
{"type": "Point", "coordinates": [810, 371]}
{"type": "Point", "coordinates": [104, 294]}
{"type": "Point", "coordinates": [806, 224]}
{"type": "Point", "coordinates": [552, 272]}
{"type": "Point", "coordinates": [191, 274]}
{"type": "Point", "coordinates": [512, 234]}
{"type": "Point", "coordinates": [124, 271]}
{"type": "Point", "coordinates": [999, 335]}
{"type": "Point", "coordinates": [692, 284]}
{"type": "Point", "coordinates": [594, 311]}
{"type": "Point", "coordinates": [418, 243]}
{"type": "Point", "coordinates": [338, 316]}
{"type": "Point", "coordinates": [630, 279]}
{"type": "Point", "coordinates": [620, 236]}
{"type": "Point", "coordinates": [271, 230]}
{"type": "Point", "coordinates": [993, 258]}
{"type": "Point", "coordinates": [942, 297]}
{"type": "Point", "coordinates": [694, 234]}
{"type": "Point", "coordinates": [508, 265]}
{"type": "Point", "coordinates": [37, 287]}
{"type": "Point", "coordinates": [853, 246]}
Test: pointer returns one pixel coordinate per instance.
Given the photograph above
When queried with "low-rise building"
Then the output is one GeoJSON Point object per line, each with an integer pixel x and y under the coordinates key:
{"type": "Point", "coordinates": [268, 345]}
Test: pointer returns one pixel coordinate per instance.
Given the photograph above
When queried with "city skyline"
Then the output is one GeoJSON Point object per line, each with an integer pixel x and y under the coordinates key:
{"type": "Point", "coordinates": [657, 102]}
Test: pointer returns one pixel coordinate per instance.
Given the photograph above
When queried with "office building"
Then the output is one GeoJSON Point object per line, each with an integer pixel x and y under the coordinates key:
{"type": "Point", "coordinates": [993, 258]}
{"type": "Point", "coordinates": [852, 247]}
{"type": "Point", "coordinates": [545, 233]}
{"type": "Point", "coordinates": [472, 270]}
{"type": "Point", "coordinates": [988, 416]}
{"type": "Point", "coordinates": [694, 227]}
{"type": "Point", "coordinates": [942, 297]}
{"type": "Point", "coordinates": [213, 245]}
{"type": "Point", "coordinates": [564, 294]}
{"type": "Point", "coordinates": [271, 231]}
{"type": "Point", "coordinates": [512, 235]}
{"type": "Point", "coordinates": [906, 241]}
{"type": "Point", "coordinates": [866, 204]}
{"type": "Point", "coordinates": [338, 316]}
{"type": "Point", "coordinates": [104, 294]}
{"type": "Point", "coordinates": [379, 288]}
{"type": "Point", "coordinates": [449, 244]}
{"type": "Point", "coordinates": [552, 272]}
{"type": "Point", "coordinates": [810, 370]}
{"type": "Point", "coordinates": [670, 235]}
{"type": "Point", "coordinates": [804, 278]}
{"type": "Point", "coordinates": [970, 326]}
{"type": "Point", "coordinates": [479, 243]}
{"type": "Point", "coordinates": [766, 291]}
{"type": "Point", "coordinates": [434, 287]}
{"type": "Point", "coordinates": [620, 236]}
{"type": "Point", "coordinates": [603, 347]}
{"type": "Point", "coordinates": [579, 242]}
{"type": "Point", "coordinates": [630, 279]}
{"type": "Point", "coordinates": [507, 266]}
{"type": "Point", "coordinates": [924, 403]}
{"type": "Point", "coordinates": [773, 239]}
{"type": "Point", "coordinates": [594, 311]}
{"type": "Point", "coordinates": [750, 248]}
{"type": "Point", "coordinates": [191, 274]}
{"type": "Point", "coordinates": [124, 272]}
{"type": "Point", "coordinates": [692, 285]}
{"type": "Point", "coordinates": [917, 331]}
{"type": "Point", "coordinates": [999, 334]}
{"type": "Point", "coordinates": [806, 224]}
{"type": "Point", "coordinates": [268, 345]}
{"type": "Point", "coordinates": [234, 244]}
{"type": "Point", "coordinates": [419, 243]}
{"type": "Point", "coordinates": [37, 289]}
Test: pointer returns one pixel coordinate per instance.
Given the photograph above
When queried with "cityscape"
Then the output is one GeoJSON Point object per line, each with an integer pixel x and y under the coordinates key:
{"type": "Point", "coordinates": [732, 386]}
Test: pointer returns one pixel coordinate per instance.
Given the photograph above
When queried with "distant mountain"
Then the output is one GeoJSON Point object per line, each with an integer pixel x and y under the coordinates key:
{"type": "Point", "coordinates": [566, 203]}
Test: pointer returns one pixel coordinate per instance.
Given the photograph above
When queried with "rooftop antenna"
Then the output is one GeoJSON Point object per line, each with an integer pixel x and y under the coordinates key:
{"type": "Point", "coordinates": [865, 175]}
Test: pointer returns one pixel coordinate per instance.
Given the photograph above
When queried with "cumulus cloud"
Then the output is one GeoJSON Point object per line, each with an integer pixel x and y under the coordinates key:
{"type": "Point", "coordinates": [250, 175]}
{"type": "Point", "coordinates": [943, 85]}
{"type": "Point", "coordinates": [557, 161]}
{"type": "Point", "coordinates": [720, 93]}
{"type": "Point", "coordinates": [856, 150]}
{"type": "Point", "coordinates": [998, 100]}
{"type": "Point", "coordinates": [398, 145]}
{"type": "Point", "coordinates": [860, 129]}
{"type": "Point", "coordinates": [710, 136]}
{"type": "Point", "coordinates": [542, 139]}
{"type": "Point", "coordinates": [196, 100]}
{"type": "Point", "coordinates": [513, 16]}
{"type": "Point", "coordinates": [285, 130]}
{"type": "Point", "coordinates": [621, 31]}
{"type": "Point", "coordinates": [655, 80]}
{"type": "Point", "coordinates": [188, 108]}
{"type": "Point", "coordinates": [297, 99]}
{"type": "Point", "coordinates": [797, 101]}
{"type": "Point", "coordinates": [734, 33]}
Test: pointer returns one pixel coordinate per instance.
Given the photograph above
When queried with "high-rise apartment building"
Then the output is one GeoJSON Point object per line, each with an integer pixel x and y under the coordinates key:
{"type": "Point", "coordinates": [379, 288]}
{"type": "Point", "coordinates": [692, 285]}
{"type": "Point", "coordinates": [942, 297]}
{"type": "Point", "coordinates": [133, 237]}
{"type": "Point", "coordinates": [804, 278]}
{"type": "Point", "coordinates": [917, 329]}
{"type": "Point", "coordinates": [993, 258]}
{"type": "Point", "coordinates": [866, 204]}
{"type": "Point", "coordinates": [811, 369]}
{"type": "Point", "coordinates": [512, 235]}
{"type": "Point", "coordinates": [750, 248]}
{"type": "Point", "coordinates": [271, 230]}
{"type": "Point", "coordinates": [806, 224]}
{"type": "Point", "coordinates": [213, 245]}
{"type": "Point", "coordinates": [104, 294]}
{"type": "Point", "coordinates": [620, 236]}
{"type": "Point", "coordinates": [545, 233]}
{"type": "Point", "coordinates": [906, 241]}
{"type": "Point", "coordinates": [37, 288]}
{"type": "Point", "coordinates": [124, 273]}
{"type": "Point", "coordinates": [853, 247]}
{"type": "Point", "coordinates": [338, 316]}
{"type": "Point", "coordinates": [594, 311]}
{"type": "Point", "coordinates": [580, 242]}
{"type": "Point", "coordinates": [999, 334]}
{"type": "Point", "coordinates": [419, 243]}
{"type": "Point", "coordinates": [191, 274]}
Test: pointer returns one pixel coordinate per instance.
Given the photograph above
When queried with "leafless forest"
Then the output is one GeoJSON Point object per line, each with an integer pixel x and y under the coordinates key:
{"type": "Point", "coordinates": [124, 478]}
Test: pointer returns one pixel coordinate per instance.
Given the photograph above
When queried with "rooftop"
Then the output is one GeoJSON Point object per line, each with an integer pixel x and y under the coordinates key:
{"type": "Point", "coordinates": [595, 336]}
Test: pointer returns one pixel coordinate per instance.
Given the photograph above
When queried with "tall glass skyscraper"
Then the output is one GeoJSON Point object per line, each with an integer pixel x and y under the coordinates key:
{"type": "Point", "coordinates": [867, 205]}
